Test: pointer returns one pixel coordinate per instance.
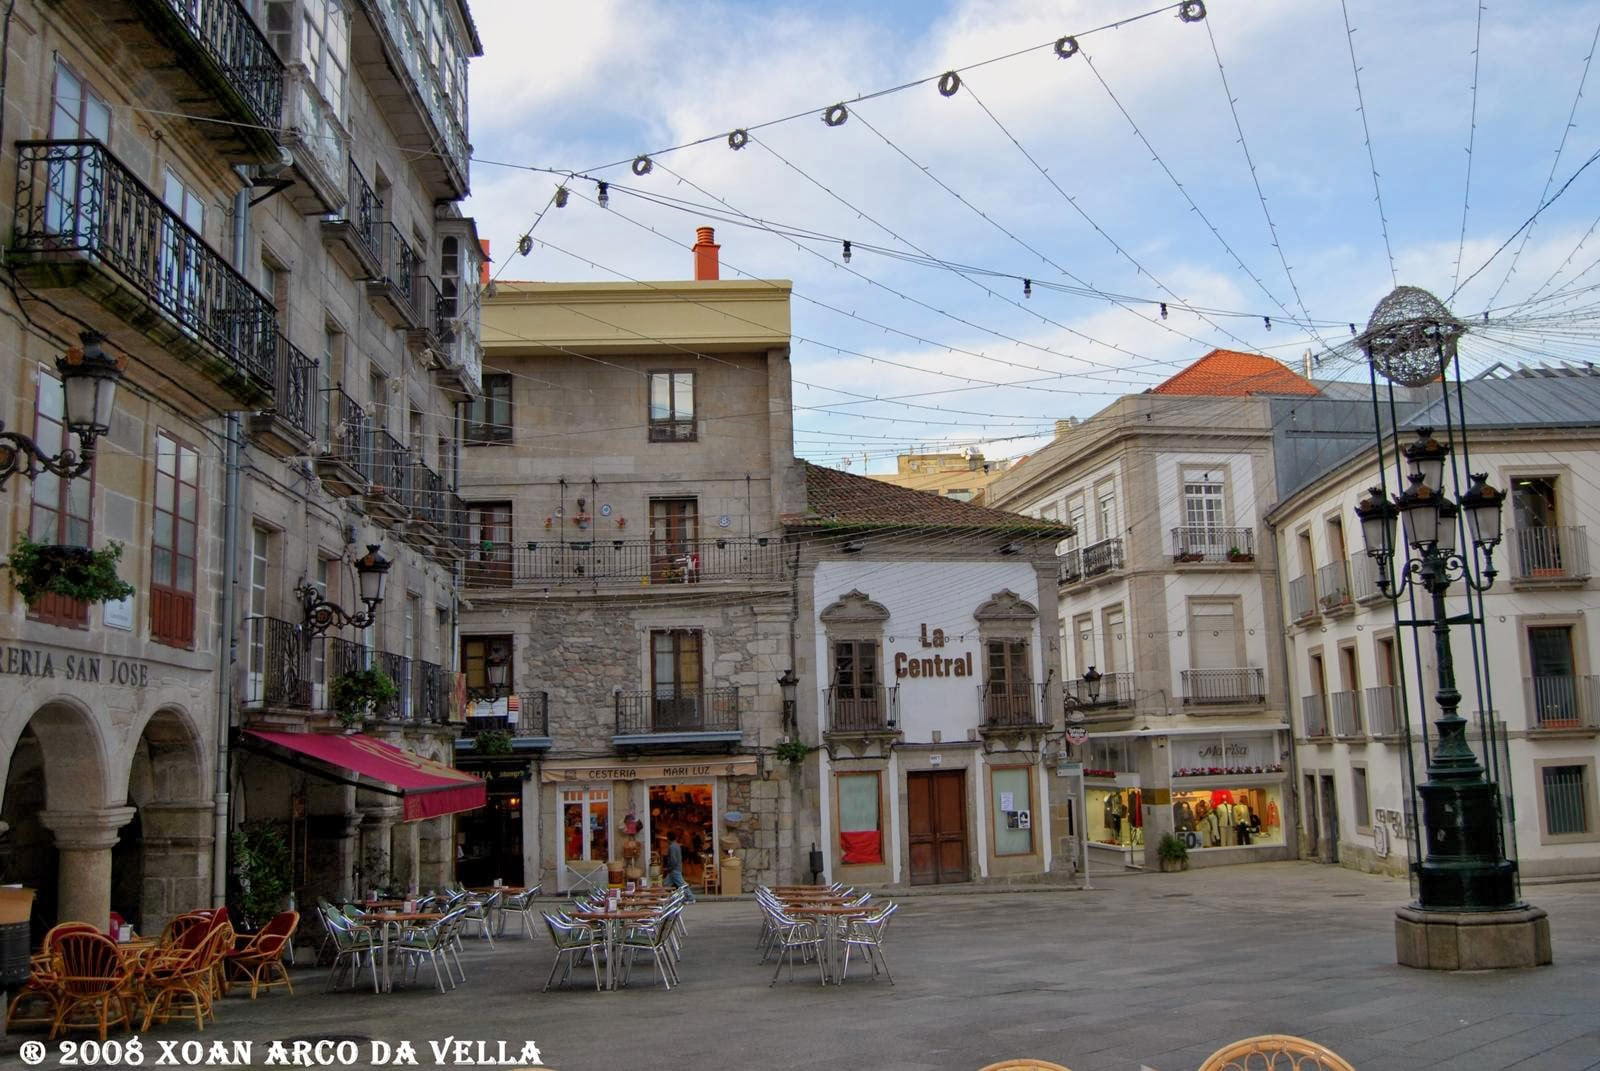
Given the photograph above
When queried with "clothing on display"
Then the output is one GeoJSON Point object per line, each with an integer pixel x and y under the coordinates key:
{"type": "Point", "coordinates": [1116, 816]}
{"type": "Point", "coordinates": [1228, 818]}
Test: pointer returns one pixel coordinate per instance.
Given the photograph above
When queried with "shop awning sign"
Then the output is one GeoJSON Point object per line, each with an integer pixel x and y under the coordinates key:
{"type": "Point", "coordinates": [556, 772]}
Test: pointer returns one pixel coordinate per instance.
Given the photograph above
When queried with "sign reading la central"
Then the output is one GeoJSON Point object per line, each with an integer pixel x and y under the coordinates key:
{"type": "Point", "coordinates": [935, 666]}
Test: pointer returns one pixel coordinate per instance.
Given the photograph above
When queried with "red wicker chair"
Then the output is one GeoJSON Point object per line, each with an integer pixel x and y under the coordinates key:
{"type": "Point", "coordinates": [93, 975]}
{"type": "Point", "coordinates": [261, 959]}
{"type": "Point", "coordinates": [43, 985]}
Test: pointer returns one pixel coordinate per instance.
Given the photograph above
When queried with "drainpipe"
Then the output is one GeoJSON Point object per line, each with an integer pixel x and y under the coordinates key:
{"type": "Point", "coordinates": [227, 635]}
{"type": "Point", "coordinates": [1291, 830]}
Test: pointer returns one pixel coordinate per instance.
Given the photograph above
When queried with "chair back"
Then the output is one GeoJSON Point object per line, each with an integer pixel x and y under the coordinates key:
{"type": "Point", "coordinates": [1275, 1050]}
{"type": "Point", "coordinates": [276, 934]}
{"type": "Point", "coordinates": [90, 963]}
{"type": "Point", "coordinates": [187, 930]}
{"type": "Point", "coordinates": [61, 928]}
{"type": "Point", "coordinates": [1025, 1065]}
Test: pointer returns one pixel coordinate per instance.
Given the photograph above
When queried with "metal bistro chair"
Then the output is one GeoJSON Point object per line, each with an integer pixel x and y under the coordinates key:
{"type": "Point", "coordinates": [656, 939]}
{"type": "Point", "coordinates": [520, 905]}
{"type": "Point", "coordinates": [791, 935]}
{"type": "Point", "coordinates": [1275, 1052]}
{"type": "Point", "coordinates": [432, 942]}
{"type": "Point", "coordinates": [350, 943]}
{"type": "Point", "coordinates": [481, 913]}
{"type": "Point", "coordinates": [572, 941]}
{"type": "Point", "coordinates": [867, 934]}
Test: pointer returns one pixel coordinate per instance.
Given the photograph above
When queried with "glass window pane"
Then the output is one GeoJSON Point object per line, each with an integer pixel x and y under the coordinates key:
{"type": "Point", "coordinates": [161, 565]}
{"type": "Point", "coordinates": [185, 580]}
{"type": "Point", "coordinates": [163, 531]}
{"type": "Point", "coordinates": [164, 492]}
{"type": "Point", "coordinates": [1013, 832]}
{"type": "Point", "coordinates": [186, 539]}
{"type": "Point", "coordinates": [683, 396]}
{"type": "Point", "coordinates": [166, 455]}
{"type": "Point", "coordinates": [858, 803]}
{"type": "Point", "coordinates": [660, 396]}
{"type": "Point", "coordinates": [189, 466]}
{"type": "Point", "coordinates": [186, 501]}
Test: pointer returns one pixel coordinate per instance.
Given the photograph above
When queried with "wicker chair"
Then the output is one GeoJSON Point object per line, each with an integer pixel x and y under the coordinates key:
{"type": "Point", "coordinates": [1025, 1065]}
{"type": "Point", "coordinates": [43, 987]}
{"type": "Point", "coordinates": [187, 976]}
{"type": "Point", "coordinates": [1275, 1052]}
{"type": "Point", "coordinates": [261, 958]}
{"type": "Point", "coordinates": [92, 975]}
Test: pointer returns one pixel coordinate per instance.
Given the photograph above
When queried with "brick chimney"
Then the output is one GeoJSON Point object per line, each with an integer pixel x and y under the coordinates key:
{"type": "Point", "coordinates": [705, 255]}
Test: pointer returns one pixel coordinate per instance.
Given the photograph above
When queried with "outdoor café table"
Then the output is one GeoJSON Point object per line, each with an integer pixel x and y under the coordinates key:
{"type": "Point", "coordinates": [832, 916]}
{"type": "Point", "coordinates": [396, 920]}
{"type": "Point", "coordinates": [611, 922]}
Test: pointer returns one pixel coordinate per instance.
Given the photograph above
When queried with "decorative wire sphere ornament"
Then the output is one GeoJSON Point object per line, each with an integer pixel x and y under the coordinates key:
{"type": "Point", "coordinates": [1411, 337]}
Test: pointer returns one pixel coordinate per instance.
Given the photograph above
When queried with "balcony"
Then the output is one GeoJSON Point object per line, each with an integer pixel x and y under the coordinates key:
{"type": "Point", "coordinates": [427, 504]}
{"type": "Point", "coordinates": [1102, 557]}
{"type": "Point", "coordinates": [527, 723]}
{"type": "Point", "coordinates": [100, 244]}
{"type": "Point", "coordinates": [278, 667]}
{"type": "Point", "coordinates": [663, 719]}
{"type": "Point", "coordinates": [1564, 702]}
{"type": "Point", "coordinates": [316, 138]}
{"type": "Point", "coordinates": [435, 328]}
{"type": "Point", "coordinates": [394, 290]}
{"type": "Point", "coordinates": [1385, 718]}
{"type": "Point", "coordinates": [1333, 589]}
{"type": "Point", "coordinates": [1345, 709]}
{"type": "Point", "coordinates": [1224, 687]}
{"type": "Point", "coordinates": [408, 87]}
{"type": "Point", "coordinates": [1115, 702]}
{"type": "Point", "coordinates": [1550, 557]}
{"type": "Point", "coordinates": [1196, 544]}
{"type": "Point", "coordinates": [457, 367]}
{"type": "Point", "coordinates": [345, 459]}
{"type": "Point", "coordinates": [1364, 573]}
{"type": "Point", "coordinates": [1013, 708]}
{"type": "Point", "coordinates": [1301, 606]}
{"type": "Point", "coordinates": [354, 239]}
{"type": "Point", "coordinates": [216, 49]}
{"type": "Point", "coordinates": [864, 710]}
{"type": "Point", "coordinates": [625, 562]}
{"type": "Point", "coordinates": [1314, 717]}
{"type": "Point", "coordinates": [398, 667]}
{"type": "Point", "coordinates": [430, 693]}
{"type": "Point", "coordinates": [290, 426]}
{"type": "Point", "coordinates": [389, 494]}
{"type": "Point", "coordinates": [1069, 567]}
{"type": "Point", "coordinates": [454, 516]}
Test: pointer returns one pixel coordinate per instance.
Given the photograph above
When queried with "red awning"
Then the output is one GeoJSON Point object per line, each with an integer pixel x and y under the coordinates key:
{"type": "Point", "coordinates": [428, 788]}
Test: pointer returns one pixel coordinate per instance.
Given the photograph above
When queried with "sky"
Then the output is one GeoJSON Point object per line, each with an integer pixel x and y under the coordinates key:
{"type": "Point", "coordinates": [1115, 179]}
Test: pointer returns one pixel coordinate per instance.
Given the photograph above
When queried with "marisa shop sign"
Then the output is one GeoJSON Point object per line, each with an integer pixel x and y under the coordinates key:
{"type": "Point", "coordinates": [934, 664]}
{"type": "Point", "coordinates": [74, 666]}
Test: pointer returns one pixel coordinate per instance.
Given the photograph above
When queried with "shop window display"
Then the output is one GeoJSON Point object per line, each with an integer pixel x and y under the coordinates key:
{"type": "Point", "coordinates": [687, 811]}
{"type": "Point", "coordinates": [1116, 816]}
{"type": "Point", "coordinates": [1229, 817]}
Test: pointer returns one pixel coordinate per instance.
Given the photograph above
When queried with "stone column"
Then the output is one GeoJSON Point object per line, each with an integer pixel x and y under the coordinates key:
{"type": "Point", "coordinates": [405, 854]}
{"type": "Point", "coordinates": [436, 852]}
{"type": "Point", "coordinates": [1155, 792]}
{"type": "Point", "coordinates": [177, 861]}
{"type": "Point", "coordinates": [376, 851]}
{"type": "Point", "coordinates": [85, 839]}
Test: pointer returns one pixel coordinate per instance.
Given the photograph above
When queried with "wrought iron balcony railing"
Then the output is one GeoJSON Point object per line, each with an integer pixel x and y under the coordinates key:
{"type": "Point", "coordinates": [349, 432]}
{"type": "Point", "coordinates": [427, 496]}
{"type": "Point", "coordinates": [362, 218]}
{"type": "Point", "coordinates": [1556, 553]}
{"type": "Point", "coordinates": [1333, 586]}
{"type": "Point", "coordinates": [1364, 578]}
{"type": "Point", "coordinates": [294, 388]}
{"type": "Point", "coordinates": [714, 710]}
{"type": "Point", "coordinates": [1384, 716]}
{"type": "Point", "coordinates": [531, 718]}
{"type": "Point", "coordinates": [1016, 706]}
{"type": "Point", "coordinates": [1314, 716]}
{"type": "Point", "coordinates": [1242, 684]}
{"type": "Point", "coordinates": [74, 197]}
{"type": "Point", "coordinates": [346, 656]}
{"type": "Point", "coordinates": [1069, 566]}
{"type": "Point", "coordinates": [398, 667]}
{"type": "Point", "coordinates": [1116, 690]}
{"type": "Point", "coordinates": [1563, 702]}
{"type": "Point", "coordinates": [1300, 602]}
{"type": "Point", "coordinates": [632, 562]}
{"type": "Point", "coordinates": [1205, 543]}
{"type": "Point", "coordinates": [1345, 711]}
{"type": "Point", "coordinates": [1102, 557]}
{"type": "Point", "coordinates": [401, 268]}
{"type": "Point", "coordinates": [430, 693]}
{"type": "Point", "coordinates": [865, 708]}
{"type": "Point", "coordinates": [391, 469]}
{"type": "Point", "coordinates": [226, 34]}
{"type": "Point", "coordinates": [278, 665]}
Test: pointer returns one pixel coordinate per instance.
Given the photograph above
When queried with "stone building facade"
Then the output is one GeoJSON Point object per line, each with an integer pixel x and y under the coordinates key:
{"type": "Point", "coordinates": [293, 303]}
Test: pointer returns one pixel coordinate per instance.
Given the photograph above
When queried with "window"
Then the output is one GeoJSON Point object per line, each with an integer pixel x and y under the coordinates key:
{"type": "Point", "coordinates": [1553, 683]}
{"type": "Point", "coordinates": [1083, 644]}
{"type": "Point", "coordinates": [855, 699]}
{"type": "Point", "coordinates": [1212, 626]}
{"type": "Point", "coordinates": [172, 544]}
{"type": "Point", "coordinates": [378, 400]}
{"type": "Point", "coordinates": [325, 50]}
{"type": "Point", "coordinates": [256, 667]}
{"type": "Point", "coordinates": [1202, 503]}
{"type": "Point", "coordinates": [1358, 793]}
{"type": "Point", "coordinates": [75, 112]}
{"type": "Point", "coordinates": [449, 276]}
{"type": "Point", "coordinates": [1113, 640]}
{"type": "Point", "coordinates": [61, 509]}
{"type": "Point", "coordinates": [860, 832]}
{"type": "Point", "coordinates": [674, 529]}
{"type": "Point", "coordinates": [489, 415]}
{"type": "Point", "coordinates": [1008, 685]}
{"type": "Point", "coordinates": [1011, 804]}
{"type": "Point", "coordinates": [489, 536]}
{"type": "Point", "coordinates": [327, 376]}
{"type": "Point", "coordinates": [181, 247]}
{"type": "Point", "coordinates": [672, 407]}
{"type": "Point", "coordinates": [1106, 512]}
{"type": "Point", "coordinates": [676, 668]}
{"type": "Point", "coordinates": [280, 27]}
{"type": "Point", "coordinates": [476, 651]}
{"type": "Point", "coordinates": [1566, 799]}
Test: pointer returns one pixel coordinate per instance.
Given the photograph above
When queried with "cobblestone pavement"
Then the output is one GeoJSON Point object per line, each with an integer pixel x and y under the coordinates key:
{"type": "Point", "coordinates": [1144, 970]}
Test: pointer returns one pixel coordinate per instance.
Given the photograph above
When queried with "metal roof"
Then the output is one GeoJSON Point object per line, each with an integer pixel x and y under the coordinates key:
{"type": "Point", "coordinates": [1564, 400]}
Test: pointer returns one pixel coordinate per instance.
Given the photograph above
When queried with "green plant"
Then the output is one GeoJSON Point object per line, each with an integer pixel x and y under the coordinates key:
{"type": "Point", "coordinates": [260, 872]}
{"type": "Point", "coordinates": [792, 751]}
{"type": "Point", "coordinates": [358, 692]}
{"type": "Point", "coordinates": [40, 569]}
{"type": "Point", "coordinates": [1171, 849]}
{"type": "Point", "coordinates": [492, 742]}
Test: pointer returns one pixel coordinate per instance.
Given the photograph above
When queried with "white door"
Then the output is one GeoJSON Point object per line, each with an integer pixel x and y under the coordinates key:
{"type": "Point", "coordinates": [585, 837]}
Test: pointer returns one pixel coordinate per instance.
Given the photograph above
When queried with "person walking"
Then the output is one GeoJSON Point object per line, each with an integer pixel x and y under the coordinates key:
{"type": "Point", "coordinates": [675, 866]}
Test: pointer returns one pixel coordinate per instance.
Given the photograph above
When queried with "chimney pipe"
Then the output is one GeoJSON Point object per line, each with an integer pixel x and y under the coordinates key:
{"type": "Point", "coordinates": [705, 255]}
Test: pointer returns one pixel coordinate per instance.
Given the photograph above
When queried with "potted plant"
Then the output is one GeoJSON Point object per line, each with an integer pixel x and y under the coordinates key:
{"type": "Point", "coordinates": [1173, 853]}
{"type": "Point", "coordinates": [40, 569]}
{"type": "Point", "coordinates": [1189, 556]}
{"type": "Point", "coordinates": [357, 693]}
{"type": "Point", "coordinates": [792, 751]}
{"type": "Point", "coordinates": [1237, 555]}
{"type": "Point", "coordinates": [492, 742]}
{"type": "Point", "coordinates": [260, 872]}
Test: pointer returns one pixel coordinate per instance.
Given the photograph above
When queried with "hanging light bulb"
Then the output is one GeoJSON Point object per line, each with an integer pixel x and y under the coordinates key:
{"type": "Point", "coordinates": [1268, 321]}
{"type": "Point", "coordinates": [847, 250]}
{"type": "Point", "coordinates": [1163, 310]}
{"type": "Point", "coordinates": [1027, 288]}
{"type": "Point", "coordinates": [561, 197]}
{"type": "Point", "coordinates": [602, 194]}
{"type": "Point", "coordinates": [525, 244]}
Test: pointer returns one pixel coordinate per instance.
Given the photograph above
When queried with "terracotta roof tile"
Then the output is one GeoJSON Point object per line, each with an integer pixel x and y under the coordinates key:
{"type": "Point", "coordinates": [1231, 374]}
{"type": "Point", "coordinates": [843, 499]}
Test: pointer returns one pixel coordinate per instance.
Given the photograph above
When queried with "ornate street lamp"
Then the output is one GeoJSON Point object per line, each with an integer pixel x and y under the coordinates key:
{"type": "Point", "coordinates": [89, 378]}
{"type": "Point", "coordinates": [372, 576]}
{"type": "Point", "coordinates": [1467, 898]}
{"type": "Point", "coordinates": [1091, 683]}
{"type": "Point", "coordinates": [789, 686]}
{"type": "Point", "coordinates": [496, 671]}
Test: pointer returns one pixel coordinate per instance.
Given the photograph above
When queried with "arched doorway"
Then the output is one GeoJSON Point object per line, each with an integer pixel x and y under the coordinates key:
{"type": "Point", "coordinates": [162, 861]}
{"type": "Point", "coordinates": [28, 853]}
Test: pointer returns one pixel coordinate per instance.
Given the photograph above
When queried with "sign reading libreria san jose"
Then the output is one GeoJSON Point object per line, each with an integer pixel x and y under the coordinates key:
{"type": "Point", "coordinates": [56, 665]}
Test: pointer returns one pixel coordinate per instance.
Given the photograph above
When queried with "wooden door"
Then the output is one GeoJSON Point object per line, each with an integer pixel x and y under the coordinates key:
{"type": "Point", "coordinates": [938, 826]}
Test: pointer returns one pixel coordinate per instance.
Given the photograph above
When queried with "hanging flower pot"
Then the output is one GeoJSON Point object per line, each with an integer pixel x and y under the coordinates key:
{"type": "Point", "coordinates": [40, 569]}
{"type": "Point", "coordinates": [360, 692]}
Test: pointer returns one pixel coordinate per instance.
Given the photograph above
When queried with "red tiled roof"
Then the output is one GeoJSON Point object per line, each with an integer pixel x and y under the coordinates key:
{"type": "Point", "coordinates": [1231, 374]}
{"type": "Point", "coordinates": [843, 499]}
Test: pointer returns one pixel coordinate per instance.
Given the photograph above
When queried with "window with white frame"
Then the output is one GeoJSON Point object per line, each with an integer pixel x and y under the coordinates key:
{"type": "Point", "coordinates": [1202, 502]}
{"type": "Point", "coordinates": [1106, 511]}
{"type": "Point", "coordinates": [325, 49]}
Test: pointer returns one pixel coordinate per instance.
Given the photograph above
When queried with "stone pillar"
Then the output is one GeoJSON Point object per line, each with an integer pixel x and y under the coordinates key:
{"type": "Point", "coordinates": [436, 852]}
{"type": "Point", "coordinates": [177, 861]}
{"type": "Point", "coordinates": [376, 857]}
{"type": "Point", "coordinates": [85, 839]}
{"type": "Point", "coordinates": [404, 841]}
{"type": "Point", "coordinates": [1155, 793]}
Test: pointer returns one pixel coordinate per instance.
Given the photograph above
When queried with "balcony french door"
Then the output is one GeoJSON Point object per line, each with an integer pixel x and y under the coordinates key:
{"type": "Point", "coordinates": [674, 529]}
{"type": "Point", "coordinates": [675, 679]}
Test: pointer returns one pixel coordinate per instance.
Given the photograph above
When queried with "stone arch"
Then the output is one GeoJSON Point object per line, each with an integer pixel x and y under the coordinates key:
{"type": "Point", "coordinates": [73, 753]}
{"type": "Point", "coordinates": [169, 747]}
{"type": "Point", "coordinates": [1006, 610]}
{"type": "Point", "coordinates": [855, 608]}
{"type": "Point", "coordinates": [162, 861]}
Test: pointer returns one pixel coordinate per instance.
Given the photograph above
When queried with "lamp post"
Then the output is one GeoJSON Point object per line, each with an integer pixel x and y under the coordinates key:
{"type": "Point", "coordinates": [1467, 911]}
{"type": "Point", "coordinates": [89, 378]}
{"type": "Point", "coordinates": [789, 687]}
{"type": "Point", "coordinates": [372, 576]}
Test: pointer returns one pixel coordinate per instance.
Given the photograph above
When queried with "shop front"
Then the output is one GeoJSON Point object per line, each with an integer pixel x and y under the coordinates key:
{"type": "Point", "coordinates": [616, 819]}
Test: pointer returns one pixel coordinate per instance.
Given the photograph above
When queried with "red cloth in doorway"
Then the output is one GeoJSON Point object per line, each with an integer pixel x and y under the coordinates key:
{"type": "Point", "coordinates": [1136, 809]}
{"type": "Point", "coordinates": [862, 847]}
{"type": "Point", "coordinates": [1220, 796]}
